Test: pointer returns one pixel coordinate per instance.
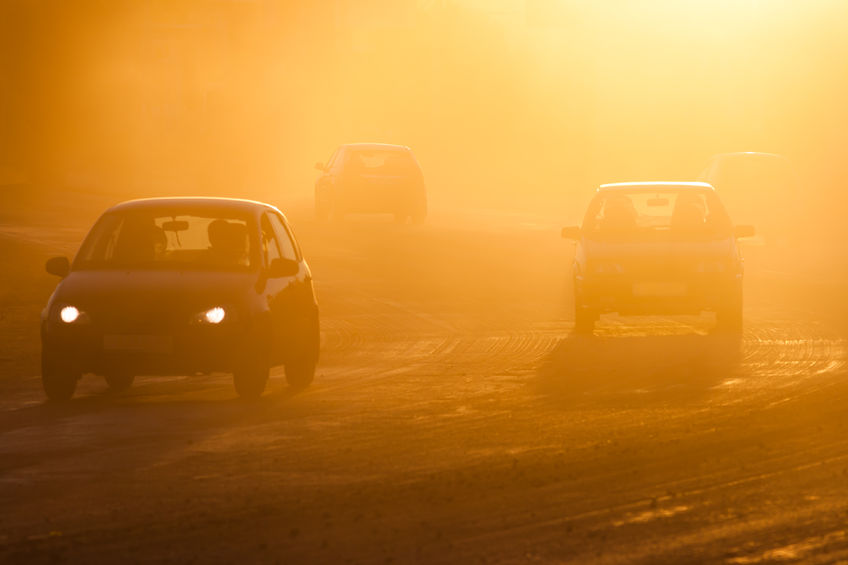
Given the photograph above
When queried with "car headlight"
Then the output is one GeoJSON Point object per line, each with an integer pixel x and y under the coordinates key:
{"type": "Point", "coordinates": [607, 268]}
{"type": "Point", "coordinates": [711, 267]}
{"type": "Point", "coordinates": [72, 315]}
{"type": "Point", "coordinates": [213, 316]}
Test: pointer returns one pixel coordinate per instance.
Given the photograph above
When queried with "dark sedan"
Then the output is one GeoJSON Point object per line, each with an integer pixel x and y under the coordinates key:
{"type": "Point", "coordinates": [657, 248]}
{"type": "Point", "coordinates": [181, 286]}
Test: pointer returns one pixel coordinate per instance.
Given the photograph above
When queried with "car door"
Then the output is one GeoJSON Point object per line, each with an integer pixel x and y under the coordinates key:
{"type": "Point", "coordinates": [276, 289]}
{"type": "Point", "coordinates": [325, 182]}
{"type": "Point", "coordinates": [290, 297]}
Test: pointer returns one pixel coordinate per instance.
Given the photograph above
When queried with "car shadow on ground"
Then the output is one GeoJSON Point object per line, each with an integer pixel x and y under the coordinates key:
{"type": "Point", "coordinates": [210, 399]}
{"type": "Point", "coordinates": [631, 370]}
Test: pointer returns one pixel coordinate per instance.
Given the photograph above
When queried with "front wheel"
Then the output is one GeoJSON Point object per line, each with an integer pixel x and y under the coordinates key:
{"type": "Point", "coordinates": [58, 377]}
{"type": "Point", "coordinates": [300, 368]}
{"type": "Point", "coordinates": [299, 374]}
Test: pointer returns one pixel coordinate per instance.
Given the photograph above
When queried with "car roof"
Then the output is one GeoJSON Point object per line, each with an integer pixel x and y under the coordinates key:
{"type": "Point", "coordinates": [376, 146]}
{"type": "Point", "coordinates": [655, 184]}
{"type": "Point", "coordinates": [200, 201]}
{"type": "Point", "coordinates": [748, 154]}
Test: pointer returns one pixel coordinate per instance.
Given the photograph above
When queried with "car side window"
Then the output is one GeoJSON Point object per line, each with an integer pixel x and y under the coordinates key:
{"type": "Point", "coordinates": [287, 247]}
{"type": "Point", "coordinates": [270, 246]}
{"type": "Point", "coordinates": [339, 158]}
{"type": "Point", "coordinates": [332, 159]}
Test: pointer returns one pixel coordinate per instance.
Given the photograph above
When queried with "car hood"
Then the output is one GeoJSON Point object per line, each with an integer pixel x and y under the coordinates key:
{"type": "Point", "coordinates": [153, 290]}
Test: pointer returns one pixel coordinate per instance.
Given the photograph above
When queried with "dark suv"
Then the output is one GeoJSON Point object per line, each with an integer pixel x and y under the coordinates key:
{"type": "Point", "coordinates": [371, 178]}
{"type": "Point", "coordinates": [657, 248]}
{"type": "Point", "coordinates": [182, 286]}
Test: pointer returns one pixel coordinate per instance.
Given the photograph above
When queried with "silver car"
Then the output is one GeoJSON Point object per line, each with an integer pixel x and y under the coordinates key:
{"type": "Point", "coordinates": [657, 248]}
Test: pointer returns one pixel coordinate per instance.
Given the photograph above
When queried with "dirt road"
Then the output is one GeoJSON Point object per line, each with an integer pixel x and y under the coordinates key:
{"type": "Point", "coordinates": [454, 419]}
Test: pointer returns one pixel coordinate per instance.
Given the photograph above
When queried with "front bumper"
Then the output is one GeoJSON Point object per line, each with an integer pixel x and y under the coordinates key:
{"type": "Point", "coordinates": [190, 350]}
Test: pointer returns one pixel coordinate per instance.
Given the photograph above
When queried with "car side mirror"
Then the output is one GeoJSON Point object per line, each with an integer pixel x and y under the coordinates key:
{"type": "Point", "coordinates": [744, 231]}
{"type": "Point", "coordinates": [320, 166]}
{"type": "Point", "coordinates": [572, 232]}
{"type": "Point", "coordinates": [59, 266]}
{"type": "Point", "coordinates": [283, 268]}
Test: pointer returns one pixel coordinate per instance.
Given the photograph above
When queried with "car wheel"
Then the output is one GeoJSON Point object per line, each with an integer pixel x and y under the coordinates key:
{"type": "Point", "coordinates": [729, 314]}
{"type": "Point", "coordinates": [337, 215]}
{"type": "Point", "coordinates": [119, 382]}
{"type": "Point", "coordinates": [322, 211]}
{"type": "Point", "coordinates": [299, 374]}
{"type": "Point", "coordinates": [300, 370]}
{"type": "Point", "coordinates": [418, 217]}
{"type": "Point", "coordinates": [584, 320]}
{"type": "Point", "coordinates": [250, 374]}
{"type": "Point", "coordinates": [58, 378]}
{"type": "Point", "coordinates": [584, 316]}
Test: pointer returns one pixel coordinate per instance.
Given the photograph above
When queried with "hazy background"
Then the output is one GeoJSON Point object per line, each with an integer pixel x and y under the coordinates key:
{"type": "Point", "coordinates": [507, 103]}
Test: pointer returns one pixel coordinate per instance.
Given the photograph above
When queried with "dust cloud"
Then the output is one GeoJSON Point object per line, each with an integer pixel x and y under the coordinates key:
{"type": "Point", "coordinates": [456, 416]}
{"type": "Point", "coordinates": [508, 104]}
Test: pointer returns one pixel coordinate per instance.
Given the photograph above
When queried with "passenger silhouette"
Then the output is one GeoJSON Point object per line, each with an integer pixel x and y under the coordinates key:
{"type": "Point", "coordinates": [688, 214]}
{"type": "Point", "coordinates": [227, 242]}
{"type": "Point", "coordinates": [140, 242]}
{"type": "Point", "coordinates": [619, 214]}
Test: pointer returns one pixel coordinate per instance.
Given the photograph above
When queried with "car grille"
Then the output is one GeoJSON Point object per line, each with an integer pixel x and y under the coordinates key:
{"type": "Point", "coordinates": [141, 318]}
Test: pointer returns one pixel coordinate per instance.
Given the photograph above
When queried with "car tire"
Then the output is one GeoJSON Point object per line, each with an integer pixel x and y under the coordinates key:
{"type": "Point", "coordinates": [58, 378]}
{"type": "Point", "coordinates": [250, 379]}
{"type": "Point", "coordinates": [584, 320]}
{"type": "Point", "coordinates": [729, 314]}
{"type": "Point", "coordinates": [119, 382]}
{"type": "Point", "coordinates": [337, 215]}
{"type": "Point", "coordinates": [300, 370]}
{"type": "Point", "coordinates": [584, 316]}
{"type": "Point", "coordinates": [419, 216]}
{"type": "Point", "coordinates": [250, 374]}
{"type": "Point", "coordinates": [300, 374]}
{"type": "Point", "coordinates": [322, 211]}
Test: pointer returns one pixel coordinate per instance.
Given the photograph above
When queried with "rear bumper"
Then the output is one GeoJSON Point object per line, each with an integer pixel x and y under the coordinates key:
{"type": "Point", "coordinates": [390, 198]}
{"type": "Point", "coordinates": [629, 295]}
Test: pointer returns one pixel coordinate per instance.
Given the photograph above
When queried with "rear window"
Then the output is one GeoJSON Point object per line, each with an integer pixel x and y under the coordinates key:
{"type": "Point", "coordinates": [653, 214]}
{"type": "Point", "coordinates": [380, 162]}
{"type": "Point", "coordinates": [169, 239]}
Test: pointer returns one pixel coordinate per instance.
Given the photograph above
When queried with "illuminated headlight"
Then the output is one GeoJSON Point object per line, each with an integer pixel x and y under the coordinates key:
{"type": "Point", "coordinates": [72, 315]}
{"type": "Point", "coordinates": [711, 267]}
{"type": "Point", "coordinates": [607, 268]}
{"type": "Point", "coordinates": [212, 316]}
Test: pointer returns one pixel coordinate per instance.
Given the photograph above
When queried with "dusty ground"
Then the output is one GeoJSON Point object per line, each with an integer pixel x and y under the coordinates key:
{"type": "Point", "coordinates": [454, 419]}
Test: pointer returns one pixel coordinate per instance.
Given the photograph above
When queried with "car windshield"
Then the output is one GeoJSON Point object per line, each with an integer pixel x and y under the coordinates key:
{"type": "Point", "coordinates": [168, 239]}
{"type": "Point", "coordinates": [652, 214]}
{"type": "Point", "coordinates": [380, 162]}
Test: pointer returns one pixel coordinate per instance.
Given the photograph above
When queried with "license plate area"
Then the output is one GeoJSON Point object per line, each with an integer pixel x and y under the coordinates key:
{"type": "Point", "coordinates": [138, 343]}
{"type": "Point", "coordinates": [659, 289]}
